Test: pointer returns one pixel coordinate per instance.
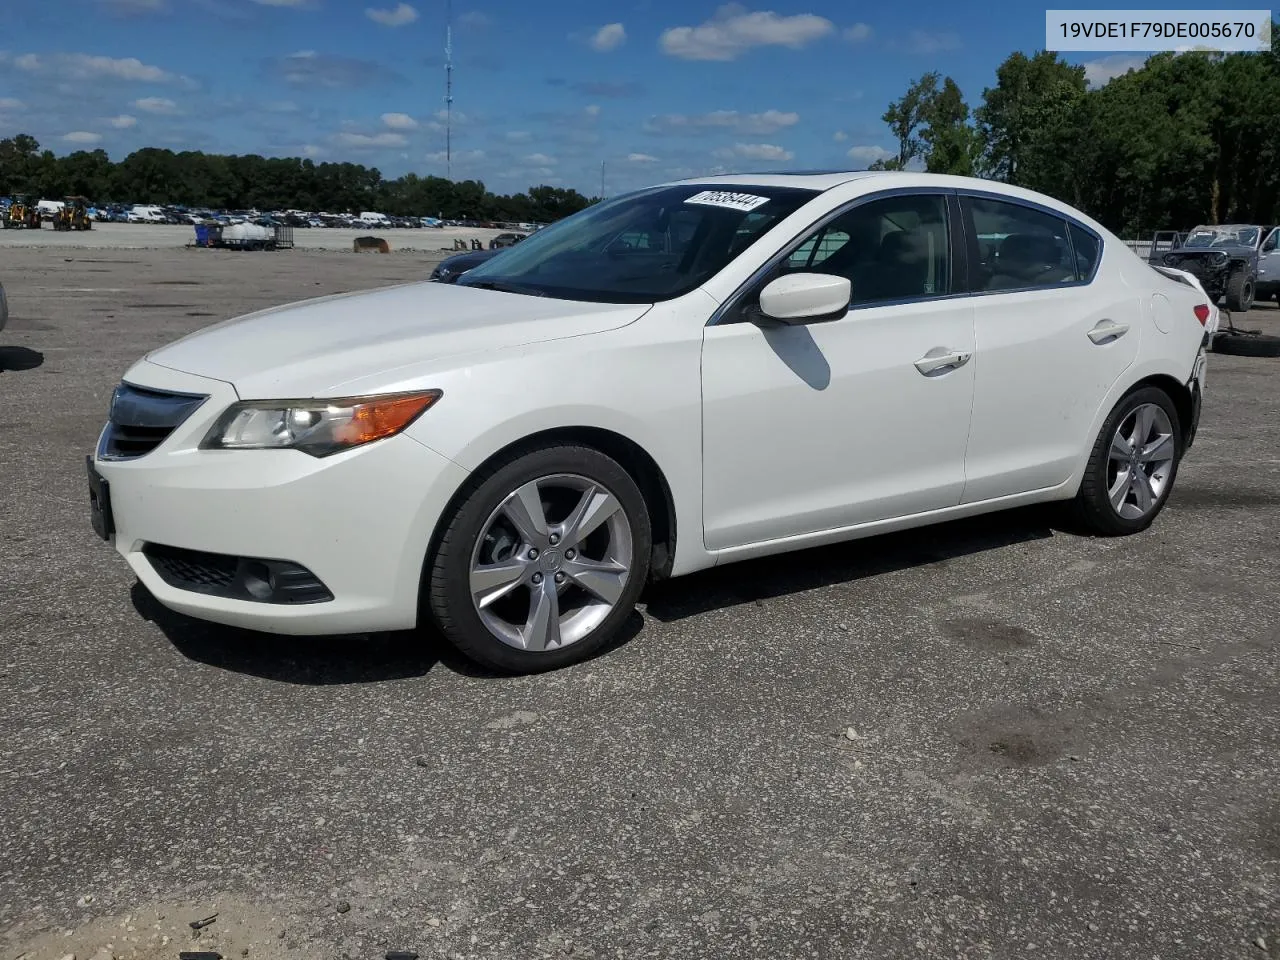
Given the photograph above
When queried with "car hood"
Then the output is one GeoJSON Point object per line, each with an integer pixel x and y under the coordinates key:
{"type": "Point", "coordinates": [308, 349]}
{"type": "Point", "coordinates": [1229, 250]}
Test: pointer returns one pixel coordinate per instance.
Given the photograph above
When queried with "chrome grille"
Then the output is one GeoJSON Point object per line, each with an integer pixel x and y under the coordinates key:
{"type": "Point", "coordinates": [141, 419]}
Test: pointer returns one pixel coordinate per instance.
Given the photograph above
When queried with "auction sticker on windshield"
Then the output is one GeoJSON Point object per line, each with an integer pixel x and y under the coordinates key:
{"type": "Point", "coordinates": [724, 198]}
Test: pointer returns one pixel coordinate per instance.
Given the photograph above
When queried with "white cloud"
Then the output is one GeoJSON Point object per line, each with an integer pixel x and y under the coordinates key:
{"type": "Point", "coordinates": [82, 137]}
{"type": "Point", "coordinates": [399, 16]}
{"type": "Point", "coordinates": [399, 121]}
{"type": "Point", "coordinates": [464, 156]}
{"type": "Point", "coordinates": [770, 121]}
{"type": "Point", "coordinates": [363, 140]}
{"type": "Point", "coordinates": [158, 105]}
{"type": "Point", "coordinates": [122, 122]}
{"type": "Point", "coordinates": [868, 154]}
{"type": "Point", "coordinates": [857, 33]}
{"type": "Point", "coordinates": [134, 6]}
{"type": "Point", "coordinates": [609, 37]}
{"type": "Point", "coordinates": [518, 136]}
{"type": "Point", "coordinates": [10, 104]}
{"type": "Point", "coordinates": [540, 160]}
{"type": "Point", "coordinates": [311, 150]}
{"type": "Point", "coordinates": [932, 41]}
{"type": "Point", "coordinates": [442, 120]}
{"type": "Point", "coordinates": [641, 158]}
{"type": "Point", "coordinates": [1100, 72]}
{"type": "Point", "coordinates": [733, 30]}
{"type": "Point", "coordinates": [755, 151]}
{"type": "Point", "coordinates": [84, 66]}
{"type": "Point", "coordinates": [839, 136]}
{"type": "Point", "coordinates": [475, 20]}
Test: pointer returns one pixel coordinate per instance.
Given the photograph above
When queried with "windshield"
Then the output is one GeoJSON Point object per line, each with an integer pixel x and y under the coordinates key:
{"type": "Point", "coordinates": [642, 247]}
{"type": "Point", "coordinates": [1222, 236]}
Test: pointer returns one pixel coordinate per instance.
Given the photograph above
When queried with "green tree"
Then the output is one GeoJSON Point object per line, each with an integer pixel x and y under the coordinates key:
{"type": "Point", "coordinates": [951, 145]}
{"type": "Point", "coordinates": [1029, 119]}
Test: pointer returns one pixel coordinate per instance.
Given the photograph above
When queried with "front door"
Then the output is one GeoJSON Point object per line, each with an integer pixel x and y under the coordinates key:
{"type": "Point", "coordinates": [817, 427]}
{"type": "Point", "coordinates": [1269, 266]}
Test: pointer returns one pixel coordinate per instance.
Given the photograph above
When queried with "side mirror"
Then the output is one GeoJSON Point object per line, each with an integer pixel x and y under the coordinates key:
{"type": "Point", "coordinates": [799, 298]}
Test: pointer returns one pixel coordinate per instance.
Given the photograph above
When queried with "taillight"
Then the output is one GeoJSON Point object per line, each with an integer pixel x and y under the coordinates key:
{"type": "Point", "coordinates": [1202, 313]}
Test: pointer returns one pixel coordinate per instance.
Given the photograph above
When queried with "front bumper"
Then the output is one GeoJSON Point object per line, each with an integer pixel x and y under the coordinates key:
{"type": "Point", "coordinates": [360, 521]}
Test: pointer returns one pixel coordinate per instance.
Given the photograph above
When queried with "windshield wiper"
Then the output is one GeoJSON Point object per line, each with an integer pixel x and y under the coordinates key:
{"type": "Point", "coordinates": [503, 287]}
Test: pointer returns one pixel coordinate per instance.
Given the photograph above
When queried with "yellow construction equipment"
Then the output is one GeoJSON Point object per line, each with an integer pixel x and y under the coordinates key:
{"type": "Point", "coordinates": [22, 213]}
{"type": "Point", "coordinates": [74, 215]}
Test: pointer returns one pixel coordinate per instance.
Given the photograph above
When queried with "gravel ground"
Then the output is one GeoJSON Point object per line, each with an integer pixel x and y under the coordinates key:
{"type": "Point", "coordinates": [990, 739]}
{"type": "Point", "coordinates": [145, 236]}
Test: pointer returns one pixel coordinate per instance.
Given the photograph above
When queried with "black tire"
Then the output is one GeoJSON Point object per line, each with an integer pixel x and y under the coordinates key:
{"type": "Point", "coordinates": [1246, 345]}
{"type": "Point", "coordinates": [448, 578]}
{"type": "Point", "coordinates": [1092, 507]}
{"type": "Point", "coordinates": [1239, 292]}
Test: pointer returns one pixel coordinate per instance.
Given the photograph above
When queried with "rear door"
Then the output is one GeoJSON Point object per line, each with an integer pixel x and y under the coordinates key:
{"type": "Point", "coordinates": [1054, 329]}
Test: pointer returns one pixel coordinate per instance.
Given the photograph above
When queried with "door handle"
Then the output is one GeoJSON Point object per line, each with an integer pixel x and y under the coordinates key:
{"type": "Point", "coordinates": [1107, 330]}
{"type": "Point", "coordinates": [939, 359]}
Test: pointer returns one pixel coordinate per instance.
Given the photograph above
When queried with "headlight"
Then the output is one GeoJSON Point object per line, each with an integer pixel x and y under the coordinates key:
{"type": "Point", "coordinates": [317, 427]}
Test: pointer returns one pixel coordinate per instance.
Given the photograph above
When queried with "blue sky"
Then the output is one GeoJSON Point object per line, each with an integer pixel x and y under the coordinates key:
{"type": "Point", "coordinates": [543, 92]}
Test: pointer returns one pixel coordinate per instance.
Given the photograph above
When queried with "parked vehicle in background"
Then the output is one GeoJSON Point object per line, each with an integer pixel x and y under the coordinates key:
{"type": "Point", "coordinates": [21, 214]}
{"type": "Point", "coordinates": [505, 240]}
{"type": "Point", "coordinates": [1224, 258]}
{"type": "Point", "coordinates": [146, 214]}
{"type": "Point", "coordinates": [1163, 242]}
{"type": "Point", "coordinates": [375, 220]}
{"type": "Point", "coordinates": [784, 361]}
{"type": "Point", "coordinates": [1268, 287]}
{"type": "Point", "coordinates": [49, 210]}
{"type": "Point", "coordinates": [450, 269]}
{"type": "Point", "coordinates": [74, 215]}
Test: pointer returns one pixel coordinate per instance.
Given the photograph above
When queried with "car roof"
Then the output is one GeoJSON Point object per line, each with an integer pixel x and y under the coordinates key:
{"type": "Point", "coordinates": [808, 179]}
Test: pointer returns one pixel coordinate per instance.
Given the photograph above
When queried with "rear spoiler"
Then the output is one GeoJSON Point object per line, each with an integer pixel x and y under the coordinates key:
{"type": "Point", "coordinates": [1173, 274]}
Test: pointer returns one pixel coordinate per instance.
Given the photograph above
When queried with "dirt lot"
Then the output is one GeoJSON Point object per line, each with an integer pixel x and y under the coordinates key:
{"type": "Point", "coordinates": [991, 739]}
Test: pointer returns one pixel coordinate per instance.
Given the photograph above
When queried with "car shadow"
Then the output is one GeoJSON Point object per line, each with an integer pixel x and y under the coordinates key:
{"type": "Point", "coordinates": [766, 578]}
{"type": "Point", "coordinates": [330, 660]}
{"type": "Point", "coordinates": [378, 657]}
{"type": "Point", "coordinates": [19, 358]}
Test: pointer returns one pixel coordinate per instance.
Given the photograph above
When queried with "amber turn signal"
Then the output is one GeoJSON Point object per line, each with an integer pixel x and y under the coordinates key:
{"type": "Point", "coordinates": [382, 417]}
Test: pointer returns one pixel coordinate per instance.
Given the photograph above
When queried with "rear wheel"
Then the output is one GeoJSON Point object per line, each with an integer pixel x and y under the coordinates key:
{"type": "Point", "coordinates": [543, 561]}
{"type": "Point", "coordinates": [1239, 291]}
{"type": "Point", "coordinates": [1132, 465]}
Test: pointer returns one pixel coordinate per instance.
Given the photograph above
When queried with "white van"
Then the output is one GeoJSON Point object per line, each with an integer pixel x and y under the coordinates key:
{"type": "Point", "coordinates": [49, 209]}
{"type": "Point", "coordinates": [373, 220]}
{"type": "Point", "coordinates": [146, 214]}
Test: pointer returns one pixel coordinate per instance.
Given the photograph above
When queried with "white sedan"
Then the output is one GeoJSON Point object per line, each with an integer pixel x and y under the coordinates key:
{"type": "Point", "coordinates": [685, 376]}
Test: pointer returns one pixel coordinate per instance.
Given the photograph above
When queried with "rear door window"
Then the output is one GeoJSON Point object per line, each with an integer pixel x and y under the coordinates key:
{"type": "Point", "coordinates": [1019, 247]}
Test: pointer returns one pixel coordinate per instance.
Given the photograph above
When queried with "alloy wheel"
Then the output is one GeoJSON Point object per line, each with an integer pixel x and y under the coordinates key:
{"type": "Point", "coordinates": [551, 562]}
{"type": "Point", "coordinates": [1140, 461]}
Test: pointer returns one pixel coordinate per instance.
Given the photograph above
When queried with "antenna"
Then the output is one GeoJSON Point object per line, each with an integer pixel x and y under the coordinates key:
{"type": "Point", "coordinates": [448, 90]}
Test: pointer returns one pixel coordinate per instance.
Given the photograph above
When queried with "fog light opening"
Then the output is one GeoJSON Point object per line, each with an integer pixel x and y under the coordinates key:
{"type": "Point", "coordinates": [259, 580]}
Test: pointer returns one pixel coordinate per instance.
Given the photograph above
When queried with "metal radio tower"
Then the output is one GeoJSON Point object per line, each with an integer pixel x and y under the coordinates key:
{"type": "Point", "coordinates": [448, 90]}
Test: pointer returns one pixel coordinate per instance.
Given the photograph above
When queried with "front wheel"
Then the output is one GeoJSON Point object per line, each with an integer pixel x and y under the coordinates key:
{"type": "Point", "coordinates": [1132, 465]}
{"type": "Point", "coordinates": [1239, 292]}
{"type": "Point", "coordinates": [543, 560]}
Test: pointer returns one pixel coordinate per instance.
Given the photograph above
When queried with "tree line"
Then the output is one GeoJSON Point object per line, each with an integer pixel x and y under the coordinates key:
{"type": "Point", "coordinates": [1185, 139]}
{"type": "Point", "coordinates": [202, 180]}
